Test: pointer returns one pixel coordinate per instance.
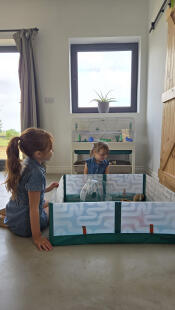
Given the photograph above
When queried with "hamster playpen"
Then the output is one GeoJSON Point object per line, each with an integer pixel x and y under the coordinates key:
{"type": "Point", "coordinates": [100, 209]}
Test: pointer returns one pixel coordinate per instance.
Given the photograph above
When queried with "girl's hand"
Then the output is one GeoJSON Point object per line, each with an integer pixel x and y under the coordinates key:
{"type": "Point", "coordinates": [42, 243]}
{"type": "Point", "coordinates": [85, 169]}
{"type": "Point", "coordinates": [107, 170]}
{"type": "Point", "coordinates": [46, 205]}
{"type": "Point", "coordinates": [52, 186]}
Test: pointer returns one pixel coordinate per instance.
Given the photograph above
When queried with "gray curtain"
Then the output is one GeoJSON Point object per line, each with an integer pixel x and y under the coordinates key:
{"type": "Point", "coordinates": [25, 40]}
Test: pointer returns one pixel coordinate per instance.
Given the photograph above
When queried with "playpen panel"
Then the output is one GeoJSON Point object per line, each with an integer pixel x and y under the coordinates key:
{"type": "Point", "coordinates": [127, 184]}
{"type": "Point", "coordinates": [148, 217]}
{"type": "Point", "coordinates": [109, 187]}
{"type": "Point", "coordinates": [70, 218]}
{"type": "Point", "coordinates": [59, 197]}
{"type": "Point", "coordinates": [74, 183]}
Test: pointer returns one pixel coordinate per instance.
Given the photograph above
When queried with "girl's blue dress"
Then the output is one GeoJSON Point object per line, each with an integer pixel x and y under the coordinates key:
{"type": "Point", "coordinates": [17, 211]}
{"type": "Point", "coordinates": [94, 168]}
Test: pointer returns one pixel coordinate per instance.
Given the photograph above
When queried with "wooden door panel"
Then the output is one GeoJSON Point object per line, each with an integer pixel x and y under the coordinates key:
{"type": "Point", "coordinates": [167, 158]}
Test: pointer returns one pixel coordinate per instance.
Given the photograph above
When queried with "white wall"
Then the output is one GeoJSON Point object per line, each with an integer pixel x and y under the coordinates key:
{"type": "Point", "coordinates": [58, 21]}
{"type": "Point", "coordinates": [156, 71]}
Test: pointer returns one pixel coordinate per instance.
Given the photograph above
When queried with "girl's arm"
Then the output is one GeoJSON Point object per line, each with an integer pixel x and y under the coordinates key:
{"type": "Point", "coordinates": [107, 170]}
{"type": "Point", "coordinates": [41, 242]}
{"type": "Point", "coordinates": [85, 169]}
{"type": "Point", "coordinates": [51, 187]}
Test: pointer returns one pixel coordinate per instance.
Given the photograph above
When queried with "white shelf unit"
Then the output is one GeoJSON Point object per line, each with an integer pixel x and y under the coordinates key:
{"type": "Point", "coordinates": [110, 130]}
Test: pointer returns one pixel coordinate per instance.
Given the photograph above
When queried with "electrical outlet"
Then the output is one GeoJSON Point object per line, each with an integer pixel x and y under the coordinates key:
{"type": "Point", "coordinates": [49, 100]}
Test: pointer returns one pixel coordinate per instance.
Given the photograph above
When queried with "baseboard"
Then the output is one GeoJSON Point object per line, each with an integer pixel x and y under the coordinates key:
{"type": "Point", "coordinates": [58, 169]}
{"type": "Point", "coordinates": [152, 173]}
{"type": "Point", "coordinates": [67, 169]}
{"type": "Point", "coordinates": [140, 169]}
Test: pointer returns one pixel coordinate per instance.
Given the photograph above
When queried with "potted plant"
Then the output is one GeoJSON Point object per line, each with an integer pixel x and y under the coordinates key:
{"type": "Point", "coordinates": [103, 102]}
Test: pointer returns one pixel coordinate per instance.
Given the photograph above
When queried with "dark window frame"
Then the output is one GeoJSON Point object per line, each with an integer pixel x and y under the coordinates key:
{"type": "Point", "coordinates": [6, 49]}
{"type": "Point", "coordinates": [75, 48]}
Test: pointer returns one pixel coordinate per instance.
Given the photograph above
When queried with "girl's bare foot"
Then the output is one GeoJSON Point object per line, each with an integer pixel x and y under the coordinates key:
{"type": "Point", "coordinates": [2, 217]}
{"type": "Point", "coordinates": [3, 212]}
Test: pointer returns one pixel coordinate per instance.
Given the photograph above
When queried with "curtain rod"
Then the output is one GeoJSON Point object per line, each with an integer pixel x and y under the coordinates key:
{"type": "Point", "coordinates": [14, 30]}
{"type": "Point", "coordinates": [162, 9]}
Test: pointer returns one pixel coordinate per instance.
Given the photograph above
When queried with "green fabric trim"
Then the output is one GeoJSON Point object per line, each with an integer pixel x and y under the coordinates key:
{"type": "Point", "coordinates": [73, 198]}
{"type": "Point", "coordinates": [117, 217]}
{"type": "Point", "coordinates": [104, 187]}
{"type": "Point", "coordinates": [64, 187]}
{"type": "Point", "coordinates": [144, 185]}
{"type": "Point", "coordinates": [51, 232]}
{"type": "Point", "coordinates": [121, 197]}
{"type": "Point", "coordinates": [114, 197]}
{"type": "Point", "coordinates": [113, 238]}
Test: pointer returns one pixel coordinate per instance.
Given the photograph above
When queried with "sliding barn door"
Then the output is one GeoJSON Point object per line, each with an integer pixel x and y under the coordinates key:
{"type": "Point", "coordinates": [167, 159]}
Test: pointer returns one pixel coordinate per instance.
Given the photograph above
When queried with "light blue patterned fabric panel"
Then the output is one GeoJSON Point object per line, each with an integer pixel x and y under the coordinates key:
{"type": "Point", "coordinates": [75, 182]}
{"type": "Point", "coordinates": [115, 183]}
{"type": "Point", "coordinates": [136, 217]}
{"type": "Point", "coordinates": [98, 217]}
{"type": "Point", "coordinates": [59, 197]}
{"type": "Point", "coordinates": [130, 183]}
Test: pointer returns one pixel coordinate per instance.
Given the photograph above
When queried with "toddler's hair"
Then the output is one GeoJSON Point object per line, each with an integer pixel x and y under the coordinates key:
{"type": "Point", "coordinates": [99, 146]}
{"type": "Point", "coordinates": [30, 141]}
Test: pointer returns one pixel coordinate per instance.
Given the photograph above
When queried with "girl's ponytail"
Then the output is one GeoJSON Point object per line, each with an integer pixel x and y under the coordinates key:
{"type": "Point", "coordinates": [30, 141]}
{"type": "Point", "coordinates": [13, 166]}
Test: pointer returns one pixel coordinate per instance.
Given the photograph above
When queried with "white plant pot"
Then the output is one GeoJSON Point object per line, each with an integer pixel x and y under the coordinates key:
{"type": "Point", "coordinates": [103, 107]}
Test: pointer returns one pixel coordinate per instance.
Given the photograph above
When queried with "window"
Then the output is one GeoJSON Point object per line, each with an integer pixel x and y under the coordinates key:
{"type": "Point", "coordinates": [104, 67]}
{"type": "Point", "coordinates": [9, 97]}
